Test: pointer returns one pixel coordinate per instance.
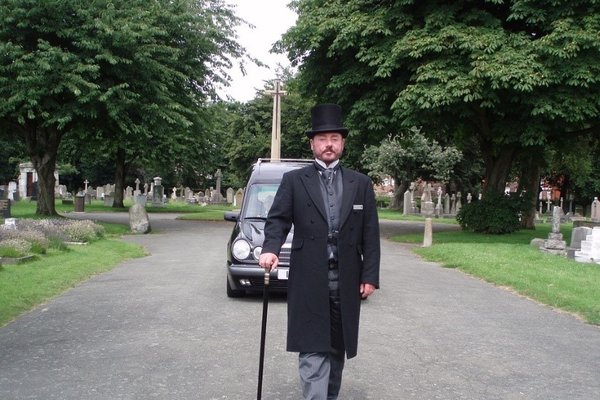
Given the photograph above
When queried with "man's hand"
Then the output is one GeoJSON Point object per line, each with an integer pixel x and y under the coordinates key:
{"type": "Point", "coordinates": [268, 261]}
{"type": "Point", "coordinates": [366, 289]}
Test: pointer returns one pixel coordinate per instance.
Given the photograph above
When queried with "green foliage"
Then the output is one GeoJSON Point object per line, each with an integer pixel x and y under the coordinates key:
{"type": "Point", "coordinates": [411, 156]}
{"type": "Point", "coordinates": [126, 78]}
{"type": "Point", "coordinates": [493, 214]}
{"type": "Point", "coordinates": [511, 76]}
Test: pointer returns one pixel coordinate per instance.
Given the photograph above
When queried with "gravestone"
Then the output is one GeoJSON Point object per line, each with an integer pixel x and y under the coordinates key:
{"type": "Point", "coordinates": [438, 206]}
{"type": "Point", "coordinates": [446, 204]}
{"type": "Point", "coordinates": [427, 206]}
{"type": "Point", "coordinates": [13, 191]}
{"type": "Point", "coordinates": [469, 198]}
{"type": "Point", "coordinates": [137, 190]}
{"type": "Point", "coordinates": [158, 192]}
{"type": "Point", "coordinates": [555, 243]}
{"type": "Point", "coordinates": [453, 204]}
{"type": "Point", "coordinates": [595, 210]}
{"type": "Point", "coordinates": [458, 201]}
{"type": "Point", "coordinates": [413, 203]}
{"type": "Point", "coordinates": [230, 195]}
{"type": "Point", "coordinates": [407, 200]}
{"type": "Point", "coordinates": [578, 235]}
{"type": "Point", "coordinates": [109, 199]}
{"type": "Point", "coordinates": [138, 219]}
{"type": "Point", "coordinates": [590, 248]}
{"type": "Point", "coordinates": [239, 197]}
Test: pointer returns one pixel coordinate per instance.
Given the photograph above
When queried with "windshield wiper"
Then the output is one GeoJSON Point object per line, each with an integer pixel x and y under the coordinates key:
{"type": "Point", "coordinates": [256, 218]}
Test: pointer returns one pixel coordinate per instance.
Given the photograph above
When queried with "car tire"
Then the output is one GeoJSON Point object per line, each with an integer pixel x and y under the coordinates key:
{"type": "Point", "coordinates": [234, 293]}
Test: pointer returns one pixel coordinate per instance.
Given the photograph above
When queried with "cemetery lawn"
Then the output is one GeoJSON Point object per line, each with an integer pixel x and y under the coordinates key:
{"type": "Point", "coordinates": [26, 209]}
{"type": "Point", "coordinates": [510, 261]}
{"type": "Point", "coordinates": [23, 286]}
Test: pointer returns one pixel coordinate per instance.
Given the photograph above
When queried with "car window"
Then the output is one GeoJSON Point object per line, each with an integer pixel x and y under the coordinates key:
{"type": "Point", "coordinates": [259, 200]}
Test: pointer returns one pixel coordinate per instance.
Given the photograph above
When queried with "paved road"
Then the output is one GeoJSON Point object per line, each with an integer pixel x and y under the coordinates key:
{"type": "Point", "coordinates": [161, 327]}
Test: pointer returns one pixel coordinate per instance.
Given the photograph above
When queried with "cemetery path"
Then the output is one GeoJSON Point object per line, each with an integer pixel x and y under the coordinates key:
{"type": "Point", "coordinates": [162, 327]}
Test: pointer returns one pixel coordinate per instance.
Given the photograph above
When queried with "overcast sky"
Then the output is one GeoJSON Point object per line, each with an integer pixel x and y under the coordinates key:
{"type": "Point", "coordinates": [271, 19]}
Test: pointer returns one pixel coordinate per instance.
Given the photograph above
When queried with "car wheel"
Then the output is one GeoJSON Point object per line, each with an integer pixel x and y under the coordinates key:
{"type": "Point", "coordinates": [234, 293]}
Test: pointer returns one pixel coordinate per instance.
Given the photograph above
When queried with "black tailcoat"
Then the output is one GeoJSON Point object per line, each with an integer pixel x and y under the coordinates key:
{"type": "Point", "coordinates": [299, 202]}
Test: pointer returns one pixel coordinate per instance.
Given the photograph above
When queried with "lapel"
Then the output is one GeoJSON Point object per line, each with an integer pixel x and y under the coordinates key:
{"type": "Point", "coordinates": [312, 181]}
{"type": "Point", "coordinates": [349, 193]}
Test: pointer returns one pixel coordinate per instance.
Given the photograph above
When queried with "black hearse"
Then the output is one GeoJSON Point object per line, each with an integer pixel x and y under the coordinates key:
{"type": "Point", "coordinates": [245, 244]}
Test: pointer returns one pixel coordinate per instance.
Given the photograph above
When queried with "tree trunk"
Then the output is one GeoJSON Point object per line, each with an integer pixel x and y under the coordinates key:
{"type": "Point", "coordinates": [42, 146]}
{"type": "Point", "coordinates": [529, 182]}
{"type": "Point", "coordinates": [398, 198]}
{"type": "Point", "coordinates": [120, 173]}
{"type": "Point", "coordinates": [497, 168]}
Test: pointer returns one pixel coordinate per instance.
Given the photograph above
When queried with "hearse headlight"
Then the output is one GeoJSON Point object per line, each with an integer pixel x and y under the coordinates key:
{"type": "Point", "coordinates": [241, 249]}
{"type": "Point", "coordinates": [256, 252]}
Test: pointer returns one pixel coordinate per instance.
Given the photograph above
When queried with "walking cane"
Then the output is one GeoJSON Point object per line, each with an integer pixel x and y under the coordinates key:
{"type": "Point", "coordinates": [263, 332]}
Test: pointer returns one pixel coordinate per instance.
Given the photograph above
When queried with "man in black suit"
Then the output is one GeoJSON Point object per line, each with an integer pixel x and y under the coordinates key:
{"type": "Point", "coordinates": [335, 255]}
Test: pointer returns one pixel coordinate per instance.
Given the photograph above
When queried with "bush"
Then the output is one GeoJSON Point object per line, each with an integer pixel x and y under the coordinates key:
{"type": "Point", "coordinates": [14, 248]}
{"type": "Point", "coordinates": [83, 231]}
{"type": "Point", "coordinates": [495, 214]}
{"type": "Point", "coordinates": [36, 236]}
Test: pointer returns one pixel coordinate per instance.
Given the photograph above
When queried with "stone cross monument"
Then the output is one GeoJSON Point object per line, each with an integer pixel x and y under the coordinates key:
{"type": "Point", "coordinates": [277, 94]}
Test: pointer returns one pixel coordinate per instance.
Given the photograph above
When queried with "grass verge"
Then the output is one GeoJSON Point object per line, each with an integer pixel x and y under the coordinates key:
{"type": "Point", "coordinates": [24, 286]}
{"type": "Point", "coordinates": [510, 261]}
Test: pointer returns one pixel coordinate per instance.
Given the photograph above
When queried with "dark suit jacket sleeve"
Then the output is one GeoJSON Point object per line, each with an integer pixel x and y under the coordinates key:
{"type": "Point", "coordinates": [371, 245]}
{"type": "Point", "coordinates": [279, 220]}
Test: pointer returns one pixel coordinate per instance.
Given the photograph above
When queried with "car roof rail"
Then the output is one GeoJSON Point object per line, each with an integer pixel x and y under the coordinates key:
{"type": "Point", "coordinates": [261, 160]}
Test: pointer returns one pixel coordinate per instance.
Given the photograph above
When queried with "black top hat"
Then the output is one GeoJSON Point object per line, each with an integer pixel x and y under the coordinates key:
{"type": "Point", "coordinates": [326, 118]}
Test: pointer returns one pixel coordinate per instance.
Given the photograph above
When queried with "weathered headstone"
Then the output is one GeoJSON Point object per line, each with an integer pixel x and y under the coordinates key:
{"type": "Point", "coordinates": [595, 210]}
{"type": "Point", "coordinates": [438, 205]}
{"type": "Point", "coordinates": [13, 191]}
{"type": "Point", "coordinates": [446, 204]}
{"type": "Point", "coordinates": [427, 206]}
{"type": "Point", "coordinates": [458, 201]}
{"type": "Point", "coordinates": [230, 193]}
{"type": "Point", "coordinates": [158, 192]}
{"type": "Point", "coordinates": [138, 219]}
{"type": "Point", "coordinates": [109, 199]}
{"type": "Point", "coordinates": [590, 248]}
{"type": "Point", "coordinates": [407, 206]}
{"type": "Point", "coordinates": [578, 235]}
{"type": "Point", "coordinates": [413, 203]}
{"type": "Point", "coordinates": [555, 243]}
{"type": "Point", "coordinates": [239, 197]}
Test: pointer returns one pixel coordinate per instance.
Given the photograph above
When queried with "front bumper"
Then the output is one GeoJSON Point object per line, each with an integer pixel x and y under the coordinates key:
{"type": "Point", "coordinates": [252, 278]}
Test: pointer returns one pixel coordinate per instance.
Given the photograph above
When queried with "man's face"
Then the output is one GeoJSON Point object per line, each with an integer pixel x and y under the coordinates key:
{"type": "Point", "coordinates": [327, 147]}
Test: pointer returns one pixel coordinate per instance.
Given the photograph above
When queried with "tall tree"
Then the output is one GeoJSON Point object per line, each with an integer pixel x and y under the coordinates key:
{"type": "Point", "coordinates": [513, 76]}
{"type": "Point", "coordinates": [129, 74]}
{"type": "Point", "coordinates": [409, 157]}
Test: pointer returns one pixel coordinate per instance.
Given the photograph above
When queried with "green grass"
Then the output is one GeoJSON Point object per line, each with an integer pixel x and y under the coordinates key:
{"type": "Point", "coordinates": [510, 261]}
{"type": "Point", "coordinates": [207, 213]}
{"type": "Point", "coordinates": [24, 286]}
{"type": "Point", "coordinates": [26, 209]}
{"type": "Point", "coordinates": [386, 213]}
